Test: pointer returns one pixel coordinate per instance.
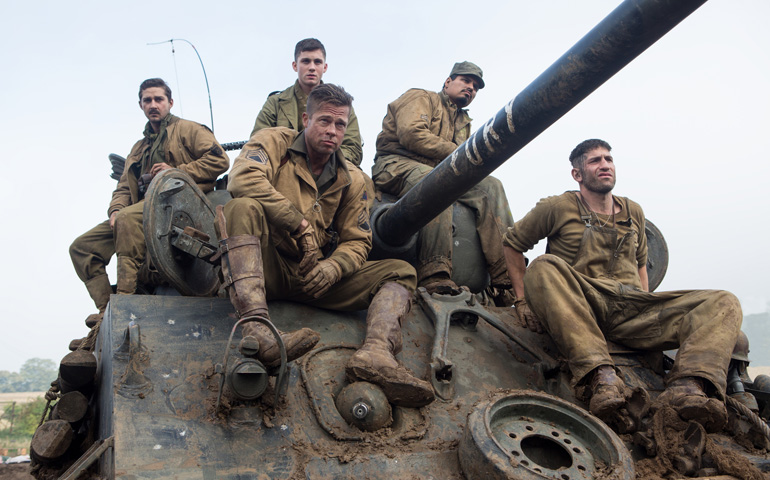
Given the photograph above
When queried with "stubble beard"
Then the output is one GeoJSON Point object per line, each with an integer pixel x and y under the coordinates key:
{"type": "Point", "coordinates": [597, 186]}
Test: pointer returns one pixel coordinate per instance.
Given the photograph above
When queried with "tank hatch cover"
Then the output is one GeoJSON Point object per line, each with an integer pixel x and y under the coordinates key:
{"type": "Point", "coordinates": [179, 232]}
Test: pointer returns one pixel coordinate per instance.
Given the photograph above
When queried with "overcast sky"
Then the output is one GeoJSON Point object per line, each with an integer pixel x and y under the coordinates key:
{"type": "Point", "coordinates": [688, 119]}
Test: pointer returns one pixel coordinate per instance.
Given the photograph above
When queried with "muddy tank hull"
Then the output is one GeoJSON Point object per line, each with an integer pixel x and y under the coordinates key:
{"type": "Point", "coordinates": [157, 402]}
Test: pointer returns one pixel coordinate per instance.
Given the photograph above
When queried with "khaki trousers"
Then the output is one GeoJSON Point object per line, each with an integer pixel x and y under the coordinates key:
{"type": "Point", "coordinates": [92, 251]}
{"type": "Point", "coordinates": [246, 216]}
{"type": "Point", "coordinates": [397, 175]}
{"type": "Point", "coordinates": [581, 312]}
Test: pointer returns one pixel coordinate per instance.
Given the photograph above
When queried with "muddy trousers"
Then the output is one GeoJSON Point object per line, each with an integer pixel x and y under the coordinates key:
{"type": "Point", "coordinates": [90, 254]}
{"type": "Point", "coordinates": [397, 175]}
{"type": "Point", "coordinates": [129, 246]}
{"type": "Point", "coordinates": [282, 282]}
{"type": "Point", "coordinates": [581, 312]}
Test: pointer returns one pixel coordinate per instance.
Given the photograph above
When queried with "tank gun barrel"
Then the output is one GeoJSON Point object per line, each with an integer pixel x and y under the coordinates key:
{"type": "Point", "coordinates": [624, 34]}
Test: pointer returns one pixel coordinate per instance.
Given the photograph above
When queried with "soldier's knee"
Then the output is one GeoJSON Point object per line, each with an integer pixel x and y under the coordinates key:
{"type": "Point", "coordinates": [402, 273]}
{"type": "Point", "coordinates": [76, 248]}
{"type": "Point", "coordinates": [127, 218]}
{"type": "Point", "coordinates": [729, 306]}
{"type": "Point", "coordinates": [240, 208]}
{"type": "Point", "coordinates": [493, 185]}
{"type": "Point", "coordinates": [544, 270]}
{"type": "Point", "coordinates": [545, 263]}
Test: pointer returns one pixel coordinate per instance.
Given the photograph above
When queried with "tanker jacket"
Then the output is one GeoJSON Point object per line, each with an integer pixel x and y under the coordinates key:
{"type": "Point", "coordinates": [423, 126]}
{"type": "Point", "coordinates": [272, 169]}
{"type": "Point", "coordinates": [280, 110]}
{"type": "Point", "coordinates": [190, 147]}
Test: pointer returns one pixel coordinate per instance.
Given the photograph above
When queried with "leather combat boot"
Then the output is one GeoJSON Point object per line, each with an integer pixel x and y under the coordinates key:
{"type": "Point", "coordinates": [375, 361]}
{"type": "Point", "coordinates": [607, 392]}
{"type": "Point", "coordinates": [686, 396]}
{"type": "Point", "coordinates": [99, 289]}
{"type": "Point", "coordinates": [128, 271]}
{"type": "Point", "coordinates": [297, 343]}
{"type": "Point", "coordinates": [245, 281]}
{"type": "Point", "coordinates": [440, 283]}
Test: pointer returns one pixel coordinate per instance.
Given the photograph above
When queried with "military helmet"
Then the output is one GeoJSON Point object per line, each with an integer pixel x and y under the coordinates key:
{"type": "Point", "coordinates": [741, 350]}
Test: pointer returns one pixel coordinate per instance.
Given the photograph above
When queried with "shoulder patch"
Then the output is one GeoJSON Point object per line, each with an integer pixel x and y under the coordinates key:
{"type": "Point", "coordinates": [363, 221]}
{"type": "Point", "coordinates": [258, 155]}
{"type": "Point", "coordinates": [364, 197]}
{"type": "Point", "coordinates": [216, 150]}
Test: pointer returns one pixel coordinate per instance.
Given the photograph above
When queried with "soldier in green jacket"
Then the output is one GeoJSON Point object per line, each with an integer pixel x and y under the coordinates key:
{"type": "Point", "coordinates": [285, 109]}
{"type": "Point", "coordinates": [168, 142]}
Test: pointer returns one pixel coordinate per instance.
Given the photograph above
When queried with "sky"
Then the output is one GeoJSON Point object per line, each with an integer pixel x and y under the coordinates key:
{"type": "Point", "coordinates": [688, 119]}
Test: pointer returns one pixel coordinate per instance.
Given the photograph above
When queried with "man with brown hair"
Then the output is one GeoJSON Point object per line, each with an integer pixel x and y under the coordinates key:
{"type": "Point", "coordinates": [168, 142]}
{"type": "Point", "coordinates": [420, 129]}
{"type": "Point", "coordinates": [285, 108]}
{"type": "Point", "coordinates": [592, 287]}
{"type": "Point", "coordinates": [296, 192]}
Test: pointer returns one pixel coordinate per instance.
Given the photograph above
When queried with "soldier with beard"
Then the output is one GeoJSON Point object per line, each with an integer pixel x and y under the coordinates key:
{"type": "Point", "coordinates": [421, 129]}
{"type": "Point", "coordinates": [592, 287]}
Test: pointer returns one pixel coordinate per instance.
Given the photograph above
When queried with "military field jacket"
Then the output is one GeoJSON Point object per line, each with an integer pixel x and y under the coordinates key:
{"type": "Point", "coordinates": [280, 110]}
{"type": "Point", "coordinates": [423, 126]}
{"type": "Point", "coordinates": [272, 169]}
{"type": "Point", "coordinates": [191, 147]}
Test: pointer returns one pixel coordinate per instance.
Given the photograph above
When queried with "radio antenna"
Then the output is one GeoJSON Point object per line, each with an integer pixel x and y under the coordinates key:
{"type": "Point", "coordinates": [211, 110]}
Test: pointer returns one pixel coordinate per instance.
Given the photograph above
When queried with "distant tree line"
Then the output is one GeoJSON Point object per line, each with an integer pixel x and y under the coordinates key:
{"type": "Point", "coordinates": [35, 375]}
{"type": "Point", "coordinates": [21, 419]}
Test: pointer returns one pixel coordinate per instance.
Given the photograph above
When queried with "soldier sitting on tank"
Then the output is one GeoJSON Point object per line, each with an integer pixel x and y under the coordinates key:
{"type": "Point", "coordinates": [285, 108]}
{"type": "Point", "coordinates": [420, 129]}
{"type": "Point", "coordinates": [592, 287]}
{"type": "Point", "coordinates": [168, 142]}
{"type": "Point", "coordinates": [308, 206]}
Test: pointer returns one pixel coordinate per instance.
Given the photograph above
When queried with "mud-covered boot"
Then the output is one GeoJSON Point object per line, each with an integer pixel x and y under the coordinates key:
{"type": "Point", "coordinates": [128, 271]}
{"type": "Point", "coordinates": [607, 392]}
{"type": "Point", "coordinates": [245, 281]}
{"type": "Point", "coordinates": [440, 283]}
{"type": "Point", "coordinates": [375, 361]}
{"type": "Point", "coordinates": [297, 343]}
{"type": "Point", "coordinates": [99, 289]}
{"type": "Point", "coordinates": [687, 397]}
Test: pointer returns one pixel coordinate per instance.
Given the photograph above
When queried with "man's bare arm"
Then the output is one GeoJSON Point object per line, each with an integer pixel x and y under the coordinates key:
{"type": "Point", "coordinates": [643, 277]}
{"type": "Point", "coordinates": [516, 264]}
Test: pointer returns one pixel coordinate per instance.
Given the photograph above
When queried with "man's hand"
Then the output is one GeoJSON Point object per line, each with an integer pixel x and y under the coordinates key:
{"type": "Point", "coordinates": [308, 247]}
{"type": "Point", "coordinates": [526, 317]}
{"type": "Point", "coordinates": [159, 167]}
{"type": "Point", "coordinates": [112, 219]}
{"type": "Point", "coordinates": [325, 274]}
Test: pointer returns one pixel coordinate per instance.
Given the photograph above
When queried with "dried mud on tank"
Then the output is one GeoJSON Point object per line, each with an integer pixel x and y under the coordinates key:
{"type": "Point", "coordinates": [668, 430]}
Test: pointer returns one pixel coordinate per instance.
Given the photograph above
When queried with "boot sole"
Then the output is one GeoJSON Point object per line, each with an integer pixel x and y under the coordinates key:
{"type": "Point", "coordinates": [398, 392]}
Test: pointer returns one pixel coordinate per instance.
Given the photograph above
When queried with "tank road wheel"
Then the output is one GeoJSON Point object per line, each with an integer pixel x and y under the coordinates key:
{"type": "Point", "coordinates": [530, 435]}
{"type": "Point", "coordinates": [172, 204]}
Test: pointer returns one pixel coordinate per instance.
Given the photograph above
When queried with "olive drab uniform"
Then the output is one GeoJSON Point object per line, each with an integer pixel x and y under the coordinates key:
{"type": "Point", "coordinates": [285, 109]}
{"type": "Point", "coordinates": [420, 129]}
{"type": "Point", "coordinates": [274, 189]}
{"type": "Point", "coordinates": [596, 294]}
{"type": "Point", "coordinates": [183, 144]}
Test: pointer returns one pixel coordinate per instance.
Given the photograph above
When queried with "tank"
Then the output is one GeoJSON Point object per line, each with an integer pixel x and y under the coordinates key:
{"type": "Point", "coordinates": [166, 393]}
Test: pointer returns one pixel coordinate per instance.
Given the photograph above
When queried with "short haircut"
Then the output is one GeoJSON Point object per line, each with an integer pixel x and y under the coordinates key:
{"type": "Point", "coordinates": [308, 45]}
{"type": "Point", "coordinates": [328, 93]}
{"type": "Point", "coordinates": [154, 82]}
{"type": "Point", "coordinates": [578, 156]}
